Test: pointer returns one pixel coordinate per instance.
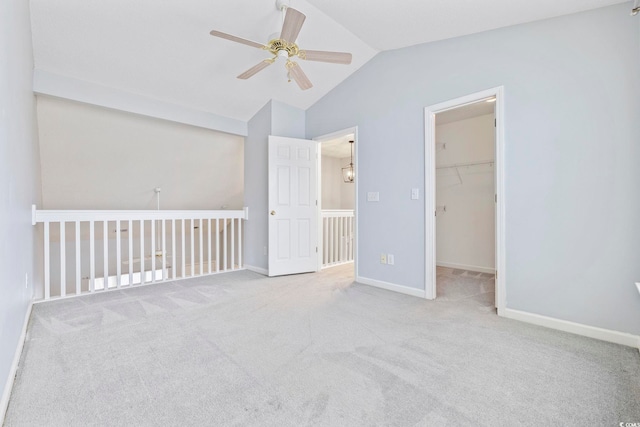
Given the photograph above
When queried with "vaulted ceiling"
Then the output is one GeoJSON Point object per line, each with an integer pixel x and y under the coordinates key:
{"type": "Point", "coordinates": [163, 50]}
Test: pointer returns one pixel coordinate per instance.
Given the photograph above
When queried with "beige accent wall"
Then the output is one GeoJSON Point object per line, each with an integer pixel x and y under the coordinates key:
{"type": "Point", "coordinates": [97, 158]}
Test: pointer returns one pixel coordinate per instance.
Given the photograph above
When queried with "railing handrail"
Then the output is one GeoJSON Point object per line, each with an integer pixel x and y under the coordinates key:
{"type": "Point", "coordinates": [327, 213]}
{"type": "Point", "coordinates": [38, 215]}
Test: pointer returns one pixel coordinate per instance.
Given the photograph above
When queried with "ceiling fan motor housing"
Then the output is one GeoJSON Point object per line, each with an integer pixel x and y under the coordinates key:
{"type": "Point", "coordinates": [282, 48]}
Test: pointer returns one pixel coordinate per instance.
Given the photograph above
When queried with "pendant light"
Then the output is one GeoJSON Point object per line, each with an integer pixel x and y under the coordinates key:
{"type": "Point", "coordinates": [348, 173]}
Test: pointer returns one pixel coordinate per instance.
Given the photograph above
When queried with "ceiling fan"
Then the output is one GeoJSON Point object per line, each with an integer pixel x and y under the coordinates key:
{"type": "Point", "coordinates": [285, 47]}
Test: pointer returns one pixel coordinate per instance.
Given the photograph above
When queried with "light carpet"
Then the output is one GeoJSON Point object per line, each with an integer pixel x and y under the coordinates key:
{"type": "Point", "coordinates": [316, 349]}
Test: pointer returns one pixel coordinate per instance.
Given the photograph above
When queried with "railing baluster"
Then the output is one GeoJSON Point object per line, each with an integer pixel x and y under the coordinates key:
{"type": "Point", "coordinates": [330, 241]}
{"type": "Point", "coordinates": [184, 274]}
{"type": "Point", "coordinates": [47, 280]}
{"type": "Point", "coordinates": [105, 238]}
{"type": "Point", "coordinates": [217, 245]}
{"type": "Point", "coordinates": [343, 241]}
{"type": "Point", "coordinates": [325, 241]}
{"type": "Point", "coordinates": [209, 234]}
{"type": "Point", "coordinates": [164, 250]}
{"type": "Point", "coordinates": [130, 233]}
{"type": "Point", "coordinates": [240, 243]}
{"type": "Point", "coordinates": [352, 221]}
{"type": "Point", "coordinates": [118, 255]}
{"type": "Point", "coordinates": [200, 236]}
{"type": "Point", "coordinates": [153, 251]}
{"type": "Point", "coordinates": [63, 260]}
{"type": "Point", "coordinates": [224, 249]}
{"type": "Point", "coordinates": [143, 273]}
{"type": "Point", "coordinates": [192, 244]}
{"type": "Point", "coordinates": [233, 245]}
{"type": "Point", "coordinates": [173, 249]}
{"type": "Point", "coordinates": [78, 260]}
{"type": "Point", "coordinates": [92, 257]}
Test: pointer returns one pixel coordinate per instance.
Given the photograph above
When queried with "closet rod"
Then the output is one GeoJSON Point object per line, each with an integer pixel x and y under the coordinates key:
{"type": "Point", "coordinates": [459, 165]}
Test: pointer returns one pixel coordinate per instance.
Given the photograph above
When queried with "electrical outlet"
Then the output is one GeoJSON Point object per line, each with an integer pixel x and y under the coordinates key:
{"type": "Point", "coordinates": [390, 259]}
{"type": "Point", "coordinates": [383, 259]}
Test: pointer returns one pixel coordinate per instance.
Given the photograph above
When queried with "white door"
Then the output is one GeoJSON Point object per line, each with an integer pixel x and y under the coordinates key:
{"type": "Point", "coordinates": [293, 213]}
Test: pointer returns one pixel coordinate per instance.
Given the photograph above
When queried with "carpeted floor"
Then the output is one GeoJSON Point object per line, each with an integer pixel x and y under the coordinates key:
{"type": "Point", "coordinates": [242, 349]}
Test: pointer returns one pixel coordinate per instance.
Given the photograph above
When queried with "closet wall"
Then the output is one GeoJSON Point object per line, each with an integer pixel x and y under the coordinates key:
{"type": "Point", "coordinates": [465, 232]}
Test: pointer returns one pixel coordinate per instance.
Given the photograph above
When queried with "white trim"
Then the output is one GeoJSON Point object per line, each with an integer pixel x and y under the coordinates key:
{"type": "Point", "coordinates": [324, 267]}
{"type": "Point", "coordinates": [51, 84]}
{"type": "Point", "coordinates": [6, 395]}
{"type": "Point", "coordinates": [114, 215]}
{"type": "Point", "coordinates": [429, 185]}
{"type": "Point", "coordinates": [475, 268]}
{"type": "Point", "coordinates": [608, 335]}
{"type": "Point", "coordinates": [327, 137]}
{"type": "Point", "coordinates": [259, 270]}
{"type": "Point", "coordinates": [391, 287]}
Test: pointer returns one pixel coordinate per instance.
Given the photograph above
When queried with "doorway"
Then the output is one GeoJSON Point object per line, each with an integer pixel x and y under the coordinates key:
{"type": "Point", "coordinates": [465, 180]}
{"type": "Point", "coordinates": [337, 201]}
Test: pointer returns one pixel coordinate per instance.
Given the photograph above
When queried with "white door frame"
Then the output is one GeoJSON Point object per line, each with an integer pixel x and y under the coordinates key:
{"type": "Point", "coordinates": [328, 137]}
{"type": "Point", "coordinates": [430, 189]}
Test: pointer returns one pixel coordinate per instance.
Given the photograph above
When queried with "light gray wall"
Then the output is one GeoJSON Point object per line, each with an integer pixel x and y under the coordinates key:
{"type": "Point", "coordinates": [96, 158]}
{"type": "Point", "coordinates": [19, 179]}
{"type": "Point", "coordinates": [256, 190]}
{"type": "Point", "coordinates": [277, 119]}
{"type": "Point", "coordinates": [572, 123]}
{"type": "Point", "coordinates": [465, 233]}
{"type": "Point", "coordinates": [336, 194]}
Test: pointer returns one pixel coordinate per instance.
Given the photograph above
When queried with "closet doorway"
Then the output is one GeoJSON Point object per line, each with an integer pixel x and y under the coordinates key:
{"type": "Point", "coordinates": [464, 173]}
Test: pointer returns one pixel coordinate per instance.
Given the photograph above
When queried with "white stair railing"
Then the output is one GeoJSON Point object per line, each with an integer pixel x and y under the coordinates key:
{"type": "Point", "coordinates": [87, 251]}
{"type": "Point", "coordinates": [337, 237]}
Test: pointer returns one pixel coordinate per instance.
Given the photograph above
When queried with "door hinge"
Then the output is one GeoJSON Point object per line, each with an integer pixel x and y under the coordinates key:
{"type": "Point", "coordinates": [316, 203]}
{"type": "Point", "coordinates": [495, 123]}
{"type": "Point", "coordinates": [316, 249]}
{"type": "Point", "coordinates": [495, 198]}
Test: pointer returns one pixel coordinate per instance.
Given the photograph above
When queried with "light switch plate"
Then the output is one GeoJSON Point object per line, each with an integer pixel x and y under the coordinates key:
{"type": "Point", "coordinates": [415, 193]}
{"type": "Point", "coordinates": [373, 196]}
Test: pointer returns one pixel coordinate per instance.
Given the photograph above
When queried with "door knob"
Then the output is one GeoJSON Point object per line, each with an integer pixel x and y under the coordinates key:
{"type": "Point", "coordinates": [273, 212]}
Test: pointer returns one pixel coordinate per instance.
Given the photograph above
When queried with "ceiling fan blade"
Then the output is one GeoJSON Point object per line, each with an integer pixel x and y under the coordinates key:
{"type": "Point", "coordinates": [293, 21]}
{"type": "Point", "coordinates": [236, 39]}
{"type": "Point", "coordinates": [255, 69]}
{"type": "Point", "coordinates": [299, 76]}
{"type": "Point", "coordinates": [324, 56]}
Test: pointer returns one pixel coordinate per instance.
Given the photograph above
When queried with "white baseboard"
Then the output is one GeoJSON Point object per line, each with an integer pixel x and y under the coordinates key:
{"type": "Point", "coordinates": [391, 287]}
{"type": "Point", "coordinates": [616, 337]}
{"type": "Point", "coordinates": [466, 267]}
{"type": "Point", "coordinates": [258, 270]}
{"type": "Point", "coordinates": [4, 404]}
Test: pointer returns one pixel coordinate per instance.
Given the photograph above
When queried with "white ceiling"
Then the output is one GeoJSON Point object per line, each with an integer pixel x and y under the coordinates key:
{"type": "Point", "coordinates": [468, 111]}
{"type": "Point", "coordinates": [163, 50]}
{"type": "Point", "coordinates": [338, 147]}
{"type": "Point", "coordinates": [386, 25]}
